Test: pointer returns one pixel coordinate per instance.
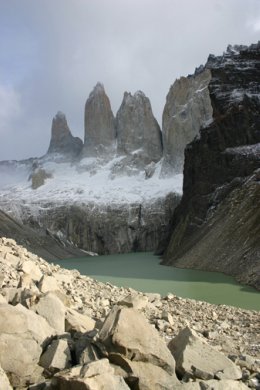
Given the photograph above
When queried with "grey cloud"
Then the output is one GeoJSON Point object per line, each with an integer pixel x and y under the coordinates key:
{"type": "Point", "coordinates": [56, 51]}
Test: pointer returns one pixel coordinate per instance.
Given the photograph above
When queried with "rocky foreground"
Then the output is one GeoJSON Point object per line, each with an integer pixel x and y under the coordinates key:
{"type": "Point", "coordinates": [61, 330]}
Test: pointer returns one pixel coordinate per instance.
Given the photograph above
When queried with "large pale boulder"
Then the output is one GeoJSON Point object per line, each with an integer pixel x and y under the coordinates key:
{"type": "Point", "coordinates": [76, 322]}
{"type": "Point", "coordinates": [147, 375]}
{"type": "Point", "coordinates": [53, 310]}
{"type": "Point", "coordinates": [38, 326]}
{"type": "Point", "coordinates": [137, 129]}
{"type": "Point", "coordinates": [127, 332]}
{"type": "Point", "coordinates": [57, 356]}
{"type": "Point", "coordinates": [94, 376]}
{"type": "Point", "coordinates": [134, 300]}
{"type": "Point", "coordinates": [100, 134]}
{"type": "Point", "coordinates": [22, 334]}
{"type": "Point", "coordinates": [11, 258]}
{"type": "Point", "coordinates": [31, 268]}
{"type": "Point", "coordinates": [48, 283]}
{"type": "Point", "coordinates": [225, 384]}
{"type": "Point", "coordinates": [4, 381]}
{"type": "Point", "coordinates": [192, 354]}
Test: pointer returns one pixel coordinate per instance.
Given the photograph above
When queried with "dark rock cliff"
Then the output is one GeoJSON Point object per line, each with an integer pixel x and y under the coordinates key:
{"type": "Point", "coordinates": [40, 241]}
{"type": "Point", "coordinates": [219, 172]}
{"type": "Point", "coordinates": [62, 141]}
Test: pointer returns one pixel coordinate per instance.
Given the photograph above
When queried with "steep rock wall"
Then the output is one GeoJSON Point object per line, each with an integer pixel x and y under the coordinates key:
{"type": "Point", "coordinates": [219, 162]}
{"type": "Point", "coordinates": [100, 132]}
{"type": "Point", "coordinates": [109, 229]}
{"type": "Point", "coordinates": [137, 129]}
{"type": "Point", "coordinates": [187, 109]}
{"type": "Point", "coordinates": [62, 141]}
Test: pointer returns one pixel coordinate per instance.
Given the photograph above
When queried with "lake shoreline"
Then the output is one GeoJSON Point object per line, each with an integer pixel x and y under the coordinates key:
{"type": "Point", "coordinates": [142, 271]}
{"type": "Point", "coordinates": [229, 330]}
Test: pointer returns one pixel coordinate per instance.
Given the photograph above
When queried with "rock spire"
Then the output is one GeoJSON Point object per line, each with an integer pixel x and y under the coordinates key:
{"type": "Point", "coordinates": [62, 141]}
{"type": "Point", "coordinates": [100, 131]}
{"type": "Point", "coordinates": [137, 128]}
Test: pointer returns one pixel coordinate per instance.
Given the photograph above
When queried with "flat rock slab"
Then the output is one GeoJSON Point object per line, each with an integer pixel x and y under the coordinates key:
{"type": "Point", "coordinates": [51, 308]}
{"type": "Point", "coordinates": [57, 356]}
{"type": "Point", "coordinates": [93, 376]}
{"type": "Point", "coordinates": [4, 381]}
{"type": "Point", "coordinates": [192, 354]}
{"type": "Point", "coordinates": [127, 332]}
{"type": "Point", "coordinates": [77, 322]}
{"type": "Point", "coordinates": [22, 334]}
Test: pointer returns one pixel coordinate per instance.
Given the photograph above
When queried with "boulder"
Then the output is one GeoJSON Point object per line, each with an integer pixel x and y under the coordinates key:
{"type": "Point", "coordinates": [11, 258]}
{"type": "Point", "coordinates": [147, 375]}
{"type": "Point", "coordinates": [52, 309]}
{"type": "Point", "coordinates": [57, 356]}
{"type": "Point", "coordinates": [94, 376]}
{"type": "Point", "coordinates": [127, 332]}
{"type": "Point", "coordinates": [100, 134]}
{"type": "Point", "coordinates": [225, 384]}
{"type": "Point", "coordinates": [135, 300]}
{"type": "Point", "coordinates": [76, 322]}
{"type": "Point", "coordinates": [38, 177]}
{"type": "Point", "coordinates": [4, 381]}
{"type": "Point", "coordinates": [22, 333]}
{"type": "Point", "coordinates": [31, 268]}
{"type": "Point", "coordinates": [193, 355]}
{"type": "Point", "coordinates": [19, 320]}
{"type": "Point", "coordinates": [48, 283]}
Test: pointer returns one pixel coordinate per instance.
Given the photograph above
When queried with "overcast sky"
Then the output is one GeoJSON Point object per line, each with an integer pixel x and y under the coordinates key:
{"type": "Point", "coordinates": [52, 53]}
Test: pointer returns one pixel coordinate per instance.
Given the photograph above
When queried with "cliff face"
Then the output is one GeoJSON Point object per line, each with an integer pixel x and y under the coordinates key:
{"type": "Point", "coordinates": [187, 109]}
{"type": "Point", "coordinates": [62, 141]}
{"type": "Point", "coordinates": [218, 169]}
{"type": "Point", "coordinates": [103, 229]}
{"type": "Point", "coordinates": [137, 129]}
{"type": "Point", "coordinates": [100, 135]}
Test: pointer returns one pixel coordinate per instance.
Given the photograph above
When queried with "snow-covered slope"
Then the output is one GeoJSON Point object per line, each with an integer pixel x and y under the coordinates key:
{"type": "Point", "coordinates": [93, 203]}
{"type": "Point", "coordinates": [89, 181]}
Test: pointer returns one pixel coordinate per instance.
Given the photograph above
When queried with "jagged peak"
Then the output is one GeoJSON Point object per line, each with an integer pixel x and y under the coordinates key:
{"type": "Point", "coordinates": [60, 116]}
{"type": "Point", "coordinates": [139, 94]}
{"type": "Point", "coordinates": [99, 87]}
{"type": "Point", "coordinates": [97, 91]}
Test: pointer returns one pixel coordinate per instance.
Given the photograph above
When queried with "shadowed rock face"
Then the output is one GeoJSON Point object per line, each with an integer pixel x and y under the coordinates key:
{"type": "Point", "coordinates": [100, 131]}
{"type": "Point", "coordinates": [62, 141]}
{"type": "Point", "coordinates": [217, 164]}
{"type": "Point", "coordinates": [137, 130]}
{"type": "Point", "coordinates": [187, 108]}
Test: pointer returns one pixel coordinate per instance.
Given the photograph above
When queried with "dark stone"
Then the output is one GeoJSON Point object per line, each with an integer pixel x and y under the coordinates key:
{"type": "Point", "coordinates": [62, 141]}
{"type": "Point", "coordinates": [217, 168]}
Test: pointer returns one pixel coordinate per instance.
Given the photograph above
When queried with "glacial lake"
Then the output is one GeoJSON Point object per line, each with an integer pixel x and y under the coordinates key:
{"type": "Point", "coordinates": [142, 272]}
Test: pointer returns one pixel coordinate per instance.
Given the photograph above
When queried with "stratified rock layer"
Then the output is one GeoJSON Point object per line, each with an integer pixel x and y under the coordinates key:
{"type": "Point", "coordinates": [62, 141]}
{"type": "Point", "coordinates": [113, 228]}
{"type": "Point", "coordinates": [137, 130]}
{"type": "Point", "coordinates": [187, 108]}
{"type": "Point", "coordinates": [100, 131]}
{"type": "Point", "coordinates": [219, 163]}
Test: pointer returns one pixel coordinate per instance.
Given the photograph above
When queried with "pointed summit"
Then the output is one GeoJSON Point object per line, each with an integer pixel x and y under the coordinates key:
{"type": "Point", "coordinates": [137, 128]}
{"type": "Point", "coordinates": [62, 141]}
{"type": "Point", "coordinates": [100, 132]}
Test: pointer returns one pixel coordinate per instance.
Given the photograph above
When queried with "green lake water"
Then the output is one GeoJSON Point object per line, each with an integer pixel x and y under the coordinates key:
{"type": "Point", "coordinates": [143, 272]}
